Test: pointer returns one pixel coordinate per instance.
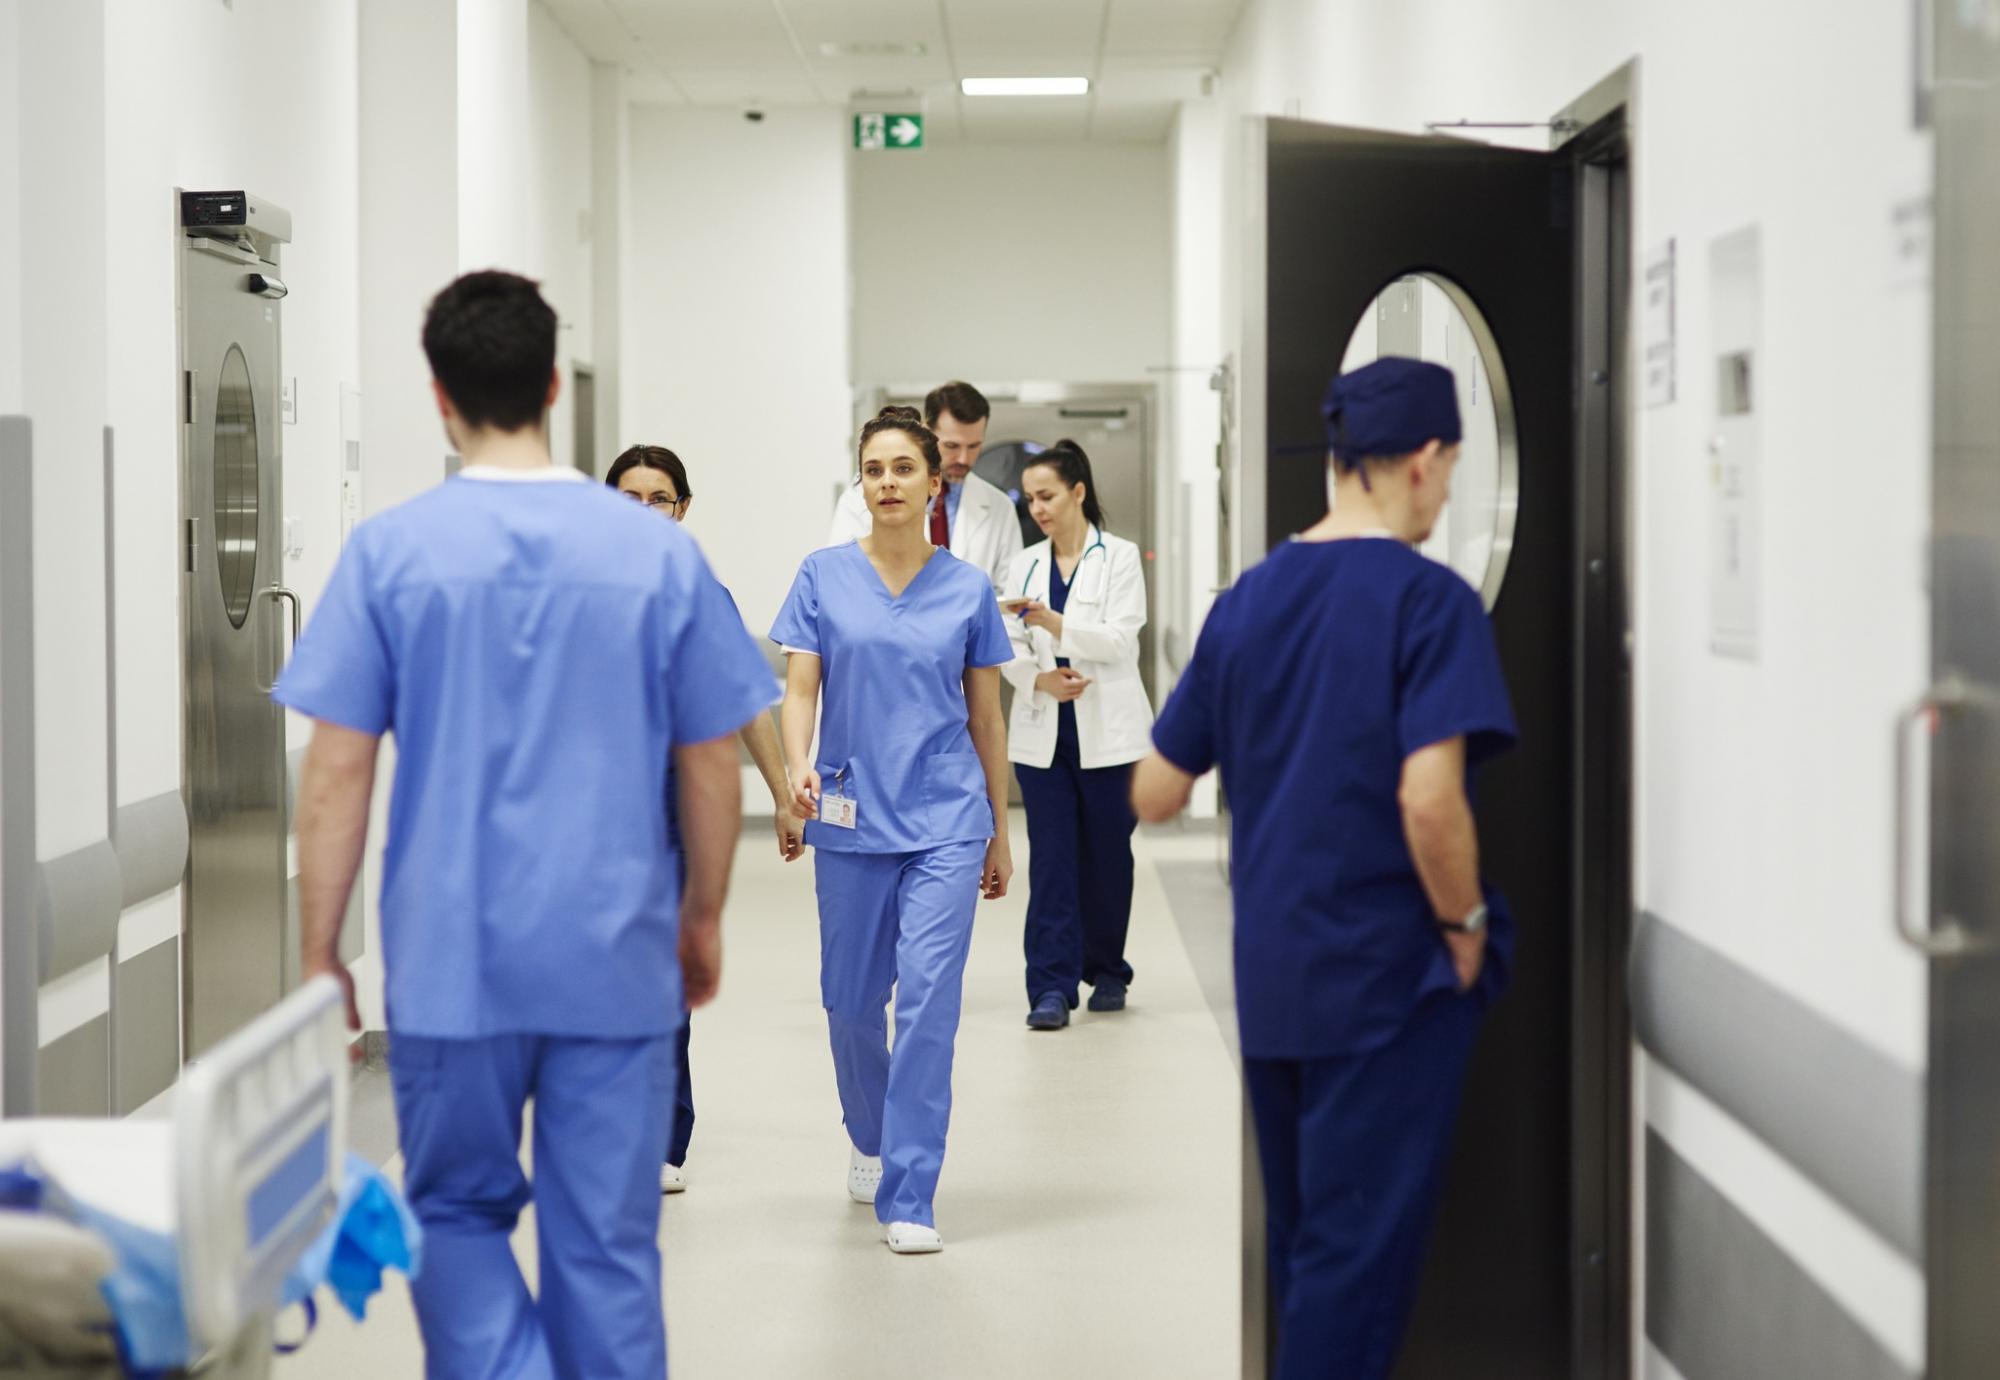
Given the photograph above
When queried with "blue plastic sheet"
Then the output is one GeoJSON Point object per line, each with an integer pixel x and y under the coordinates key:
{"type": "Point", "coordinates": [372, 1230]}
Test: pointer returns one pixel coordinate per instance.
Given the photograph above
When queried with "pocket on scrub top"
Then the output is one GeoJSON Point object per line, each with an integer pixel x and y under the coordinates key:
{"type": "Point", "coordinates": [955, 793]}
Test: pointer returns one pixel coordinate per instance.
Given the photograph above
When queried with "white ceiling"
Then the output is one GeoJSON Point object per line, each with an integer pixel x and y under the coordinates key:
{"type": "Point", "coordinates": [1142, 56]}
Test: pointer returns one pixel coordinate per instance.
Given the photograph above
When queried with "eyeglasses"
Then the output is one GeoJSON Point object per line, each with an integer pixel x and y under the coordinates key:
{"type": "Point", "coordinates": [656, 501]}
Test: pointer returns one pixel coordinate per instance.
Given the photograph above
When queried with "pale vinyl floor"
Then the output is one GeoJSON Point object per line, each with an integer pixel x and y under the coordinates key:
{"type": "Point", "coordinates": [1091, 1194]}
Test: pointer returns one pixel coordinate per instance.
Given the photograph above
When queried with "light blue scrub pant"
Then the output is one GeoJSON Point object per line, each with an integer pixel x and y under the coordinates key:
{"type": "Point", "coordinates": [900, 921]}
{"type": "Point", "coordinates": [601, 1113]}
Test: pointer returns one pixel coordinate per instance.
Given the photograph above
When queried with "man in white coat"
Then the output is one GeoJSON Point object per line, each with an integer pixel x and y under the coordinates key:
{"type": "Point", "coordinates": [970, 516]}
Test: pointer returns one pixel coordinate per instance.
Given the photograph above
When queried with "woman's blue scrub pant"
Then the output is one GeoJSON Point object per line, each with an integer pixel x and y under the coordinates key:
{"type": "Point", "coordinates": [601, 1109]}
{"type": "Point", "coordinates": [1353, 1150]}
{"type": "Point", "coordinates": [901, 922]}
{"type": "Point", "coordinates": [1080, 825]}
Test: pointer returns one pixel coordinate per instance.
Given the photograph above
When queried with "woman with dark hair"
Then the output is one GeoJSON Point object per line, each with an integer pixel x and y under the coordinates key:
{"type": "Point", "coordinates": [1081, 719]}
{"type": "Point", "coordinates": [655, 476]}
{"type": "Point", "coordinates": [906, 805]}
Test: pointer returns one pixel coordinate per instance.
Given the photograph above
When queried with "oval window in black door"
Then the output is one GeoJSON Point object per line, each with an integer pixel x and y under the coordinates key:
{"type": "Point", "coordinates": [1426, 316]}
{"type": "Point", "coordinates": [235, 480]}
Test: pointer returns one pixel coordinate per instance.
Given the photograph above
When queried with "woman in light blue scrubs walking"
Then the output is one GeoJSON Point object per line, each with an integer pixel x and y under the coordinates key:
{"type": "Point", "coordinates": [906, 807]}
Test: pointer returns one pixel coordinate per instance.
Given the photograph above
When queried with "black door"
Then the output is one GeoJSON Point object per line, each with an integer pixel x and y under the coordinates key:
{"type": "Point", "coordinates": [1521, 1274]}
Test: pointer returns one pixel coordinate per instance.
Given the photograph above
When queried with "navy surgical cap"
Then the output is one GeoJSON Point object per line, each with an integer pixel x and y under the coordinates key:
{"type": "Point", "coordinates": [1391, 407]}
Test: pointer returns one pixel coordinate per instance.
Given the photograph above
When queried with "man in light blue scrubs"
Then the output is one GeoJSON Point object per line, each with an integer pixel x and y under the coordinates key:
{"type": "Point", "coordinates": [539, 646]}
{"type": "Point", "coordinates": [1349, 688]}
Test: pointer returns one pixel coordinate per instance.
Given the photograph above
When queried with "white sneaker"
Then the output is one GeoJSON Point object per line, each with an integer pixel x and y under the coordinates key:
{"type": "Point", "coordinates": [911, 1238]}
{"type": "Point", "coordinates": [864, 1176]}
{"type": "Point", "coordinates": [673, 1179]}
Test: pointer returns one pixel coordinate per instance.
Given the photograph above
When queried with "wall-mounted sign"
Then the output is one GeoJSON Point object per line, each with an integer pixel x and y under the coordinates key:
{"type": "Point", "coordinates": [876, 130]}
{"type": "Point", "coordinates": [1735, 531]}
{"type": "Point", "coordinates": [1658, 326]}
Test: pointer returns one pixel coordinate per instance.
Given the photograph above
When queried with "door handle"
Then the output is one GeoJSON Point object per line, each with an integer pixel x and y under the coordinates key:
{"type": "Point", "coordinates": [280, 592]}
{"type": "Point", "coordinates": [1931, 936]}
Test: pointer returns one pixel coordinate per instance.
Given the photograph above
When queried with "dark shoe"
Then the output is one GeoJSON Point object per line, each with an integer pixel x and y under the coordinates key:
{"type": "Point", "coordinates": [1051, 1012]}
{"type": "Point", "coordinates": [1108, 996]}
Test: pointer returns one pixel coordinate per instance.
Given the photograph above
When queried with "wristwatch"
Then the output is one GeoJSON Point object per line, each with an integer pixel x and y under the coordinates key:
{"type": "Point", "coordinates": [1475, 923]}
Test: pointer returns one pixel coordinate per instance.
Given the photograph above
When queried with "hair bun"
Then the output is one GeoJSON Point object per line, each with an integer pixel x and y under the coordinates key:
{"type": "Point", "coordinates": [900, 414]}
{"type": "Point", "coordinates": [1067, 447]}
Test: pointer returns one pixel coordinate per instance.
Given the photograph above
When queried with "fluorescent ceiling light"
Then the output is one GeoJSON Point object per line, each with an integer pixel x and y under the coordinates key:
{"type": "Point", "coordinates": [1025, 86]}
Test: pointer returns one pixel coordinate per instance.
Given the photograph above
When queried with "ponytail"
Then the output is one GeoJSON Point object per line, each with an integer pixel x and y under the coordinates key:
{"type": "Point", "coordinates": [1067, 459]}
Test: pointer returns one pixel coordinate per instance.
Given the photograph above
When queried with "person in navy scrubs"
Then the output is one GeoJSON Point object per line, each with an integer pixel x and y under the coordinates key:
{"type": "Point", "coordinates": [1348, 688]}
{"type": "Point", "coordinates": [656, 477]}
{"type": "Point", "coordinates": [1081, 719]}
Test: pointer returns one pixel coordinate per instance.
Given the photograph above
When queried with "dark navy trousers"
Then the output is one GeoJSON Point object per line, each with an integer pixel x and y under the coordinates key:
{"type": "Point", "coordinates": [1353, 1150]}
{"type": "Point", "coordinates": [1080, 825]}
{"type": "Point", "coordinates": [683, 1131]}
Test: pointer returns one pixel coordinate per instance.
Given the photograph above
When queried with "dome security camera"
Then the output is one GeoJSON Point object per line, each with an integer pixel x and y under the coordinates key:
{"type": "Point", "coordinates": [754, 116]}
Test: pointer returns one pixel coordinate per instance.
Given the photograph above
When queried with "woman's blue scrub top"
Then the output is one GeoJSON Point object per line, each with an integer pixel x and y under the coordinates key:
{"type": "Point", "coordinates": [1314, 678]}
{"type": "Point", "coordinates": [893, 733]}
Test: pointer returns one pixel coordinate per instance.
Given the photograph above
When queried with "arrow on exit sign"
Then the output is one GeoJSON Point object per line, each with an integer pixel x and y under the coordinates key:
{"type": "Point", "coordinates": [877, 130]}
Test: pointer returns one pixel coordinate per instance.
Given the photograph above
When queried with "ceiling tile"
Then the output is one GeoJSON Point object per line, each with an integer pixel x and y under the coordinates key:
{"type": "Point", "coordinates": [1196, 29]}
{"type": "Point", "coordinates": [594, 27]}
{"type": "Point", "coordinates": [721, 33]}
{"type": "Point", "coordinates": [998, 38]}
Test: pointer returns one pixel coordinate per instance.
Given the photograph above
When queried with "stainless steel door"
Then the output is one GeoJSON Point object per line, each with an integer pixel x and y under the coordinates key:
{"type": "Point", "coordinates": [1961, 927]}
{"type": "Point", "coordinates": [234, 904]}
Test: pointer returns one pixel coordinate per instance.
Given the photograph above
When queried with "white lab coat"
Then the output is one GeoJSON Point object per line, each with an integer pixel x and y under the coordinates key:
{"type": "Point", "coordinates": [986, 534]}
{"type": "Point", "coordinates": [1101, 623]}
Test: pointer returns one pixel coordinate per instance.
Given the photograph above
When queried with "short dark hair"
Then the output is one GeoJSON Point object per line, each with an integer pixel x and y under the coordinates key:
{"type": "Point", "coordinates": [651, 458]}
{"type": "Point", "coordinates": [491, 341]}
{"type": "Point", "coordinates": [1072, 466]}
{"type": "Point", "coordinates": [960, 399]}
{"type": "Point", "coordinates": [903, 419]}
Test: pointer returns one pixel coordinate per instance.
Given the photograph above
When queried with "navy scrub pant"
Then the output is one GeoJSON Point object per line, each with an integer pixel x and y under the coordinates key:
{"type": "Point", "coordinates": [683, 1123]}
{"type": "Point", "coordinates": [601, 1111]}
{"type": "Point", "coordinates": [1080, 825]}
{"type": "Point", "coordinates": [1352, 1151]}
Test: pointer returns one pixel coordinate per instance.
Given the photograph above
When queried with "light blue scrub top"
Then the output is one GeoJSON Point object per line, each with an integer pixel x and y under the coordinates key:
{"type": "Point", "coordinates": [538, 649]}
{"type": "Point", "coordinates": [892, 681]}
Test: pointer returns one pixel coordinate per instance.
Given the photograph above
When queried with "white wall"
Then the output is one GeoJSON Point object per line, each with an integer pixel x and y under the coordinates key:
{"type": "Point", "coordinates": [1763, 788]}
{"type": "Point", "coordinates": [734, 330]}
{"type": "Point", "coordinates": [1007, 262]}
{"type": "Point", "coordinates": [10, 210]}
{"type": "Point", "coordinates": [559, 251]}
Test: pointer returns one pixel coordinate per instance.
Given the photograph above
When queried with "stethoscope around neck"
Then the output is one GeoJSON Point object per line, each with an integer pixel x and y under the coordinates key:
{"type": "Point", "coordinates": [1096, 544]}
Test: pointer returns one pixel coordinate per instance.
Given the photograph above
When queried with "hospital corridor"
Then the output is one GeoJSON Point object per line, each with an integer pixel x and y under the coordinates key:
{"type": "Point", "coordinates": [976, 689]}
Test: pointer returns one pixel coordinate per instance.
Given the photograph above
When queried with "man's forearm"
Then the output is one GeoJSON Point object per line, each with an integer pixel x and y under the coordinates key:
{"type": "Point", "coordinates": [335, 789]}
{"type": "Point", "coordinates": [1444, 844]}
{"type": "Point", "coordinates": [711, 817]}
{"type": "Point", "coordinates": [761, 740]}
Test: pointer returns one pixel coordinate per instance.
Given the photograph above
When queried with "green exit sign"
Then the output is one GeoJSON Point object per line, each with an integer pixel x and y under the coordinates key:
{"type": "Point", "coordinates": [875, 130]}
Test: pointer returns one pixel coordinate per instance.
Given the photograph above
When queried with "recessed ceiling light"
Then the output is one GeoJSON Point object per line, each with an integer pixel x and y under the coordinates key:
{"type": "Point", "coordinates": [1025, 86]}
{"type": "Point", "coordinates": [871, 50]}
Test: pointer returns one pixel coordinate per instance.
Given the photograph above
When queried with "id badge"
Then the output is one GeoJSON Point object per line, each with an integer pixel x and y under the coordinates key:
{"type": "Point", "coordinates": [836, 809]}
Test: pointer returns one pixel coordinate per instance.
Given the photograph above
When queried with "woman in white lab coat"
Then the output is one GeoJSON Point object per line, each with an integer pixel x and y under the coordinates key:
{"type": "Point", "coordinates": [1081, 718]}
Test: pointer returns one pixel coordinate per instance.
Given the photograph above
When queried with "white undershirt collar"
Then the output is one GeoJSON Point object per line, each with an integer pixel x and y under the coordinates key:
{"type": "Point", "coordinates": [543, 475]}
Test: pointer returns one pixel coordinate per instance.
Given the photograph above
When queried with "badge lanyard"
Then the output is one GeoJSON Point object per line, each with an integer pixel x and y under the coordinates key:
{"type": "Point", "coordinates": [835, 807]}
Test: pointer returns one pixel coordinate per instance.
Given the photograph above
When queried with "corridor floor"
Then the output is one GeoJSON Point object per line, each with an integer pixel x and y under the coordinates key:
{"type": "Point", "coordinates": [1091, 1194]}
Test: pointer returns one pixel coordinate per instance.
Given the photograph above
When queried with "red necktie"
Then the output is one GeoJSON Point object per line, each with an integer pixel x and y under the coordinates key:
{"type": "Point", "coordinates": [940, 522]}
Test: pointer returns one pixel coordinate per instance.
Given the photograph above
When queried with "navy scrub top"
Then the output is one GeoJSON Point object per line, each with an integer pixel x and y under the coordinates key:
{"type": "Point", "coordinates": [1314, 678]}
